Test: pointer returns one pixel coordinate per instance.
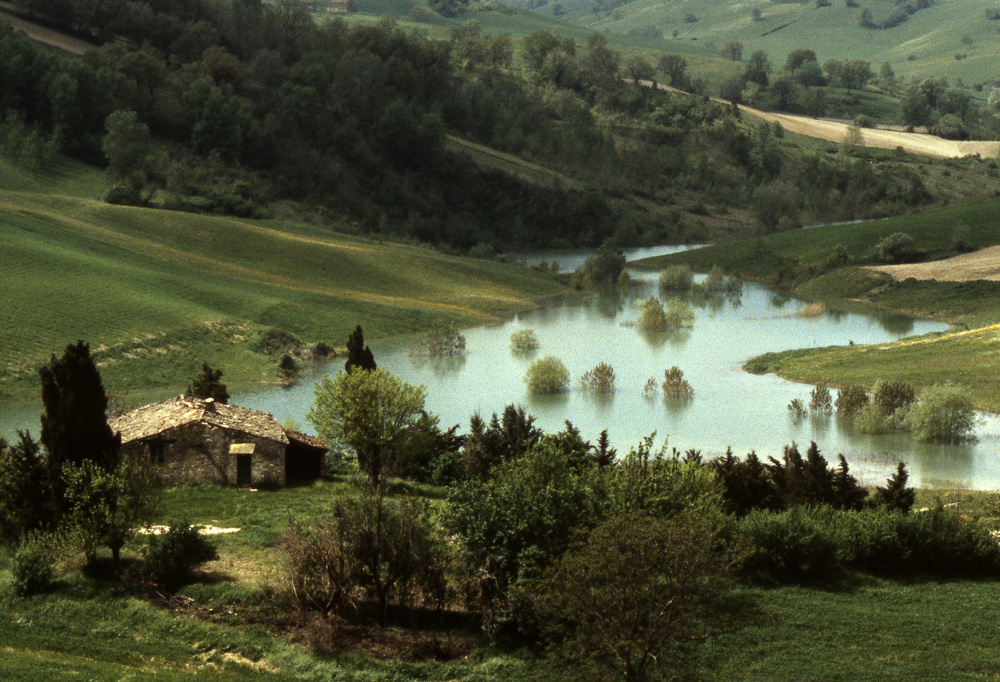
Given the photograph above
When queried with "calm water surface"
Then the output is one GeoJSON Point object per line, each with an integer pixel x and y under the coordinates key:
{"type": "Point", "coordinates": [731, 408]}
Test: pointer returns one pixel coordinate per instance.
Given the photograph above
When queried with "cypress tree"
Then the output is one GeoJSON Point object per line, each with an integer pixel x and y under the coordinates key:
{"type": "Point", "coordinates": [358, 354]}
{"type": "Point", "coordinates": [74, 424]}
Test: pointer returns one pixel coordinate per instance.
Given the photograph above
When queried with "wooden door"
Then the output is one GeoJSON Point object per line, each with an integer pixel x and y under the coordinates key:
{"type": "Point", "coordinates": [243, 478]}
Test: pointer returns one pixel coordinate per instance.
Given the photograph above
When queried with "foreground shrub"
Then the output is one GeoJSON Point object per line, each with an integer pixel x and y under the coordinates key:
{"type": "Point", "coordinates": [32, 570]}
{"type": "Point", "coordinates": [171, 556]}
{"type": "Point", "coordinates": [944, 414]}
{"type": "Point", "coordinates": [547, 375]}
{"type": "Point", "coordinates": [802, 542]}
{"type": "Point", "coordinates": [626, 602]}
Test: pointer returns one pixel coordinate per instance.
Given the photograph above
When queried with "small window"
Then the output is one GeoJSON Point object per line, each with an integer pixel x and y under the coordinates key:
{"type": "Point", "coordinates": [157, 451]}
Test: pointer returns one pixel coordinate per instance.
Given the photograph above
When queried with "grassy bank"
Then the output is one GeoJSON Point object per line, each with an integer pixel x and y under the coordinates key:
{"type": "Point", "coordinates": [157, 293]}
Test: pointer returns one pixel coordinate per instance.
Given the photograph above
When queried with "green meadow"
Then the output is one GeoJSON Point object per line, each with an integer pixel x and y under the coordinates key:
{"type": "Point", "coordinates": [949, 39]}
{"type": "Point", "coordinates": [232, 623]}
{"type": "Point", "coordinates": [157, 292]}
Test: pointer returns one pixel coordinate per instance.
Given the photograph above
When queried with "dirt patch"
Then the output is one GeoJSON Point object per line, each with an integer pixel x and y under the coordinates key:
{"type": "Point", "coordinates": [981, 264]}
{"type": "Point", "coordinates": [881, 138]}
{"type": "Point", "coordinates": [917, 143]}
{"type": "Point", "coordinates": [49, 36]}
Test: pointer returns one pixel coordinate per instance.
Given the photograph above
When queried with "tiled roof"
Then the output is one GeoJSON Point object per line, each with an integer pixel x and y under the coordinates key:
{"type": "Point", "coordinates": [153, 419]}
{"type": "Point", "coordinates": [305, 439]}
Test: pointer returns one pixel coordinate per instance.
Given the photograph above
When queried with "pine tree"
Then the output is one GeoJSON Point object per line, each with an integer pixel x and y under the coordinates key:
{"type": "Point", "coordinates": [25, 489]}
{"type": "Point", "coordinates": [895, 495]}
{"type": "Point", "coordinates": [358, 354]}
{"type": "Point", "coordinates": [208, 384]}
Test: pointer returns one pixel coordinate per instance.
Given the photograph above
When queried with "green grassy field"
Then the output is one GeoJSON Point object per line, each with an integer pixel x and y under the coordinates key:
{"type": "Point", "coordinates": [157, 293]}
{"type": "Point", "coordinates": [924, 45]}
{"type": "Point", "coordinates": [229, 625]}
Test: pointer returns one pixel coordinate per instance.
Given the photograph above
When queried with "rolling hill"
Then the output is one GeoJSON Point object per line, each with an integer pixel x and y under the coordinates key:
{"type": "Point", "coordinates": [158, 292]}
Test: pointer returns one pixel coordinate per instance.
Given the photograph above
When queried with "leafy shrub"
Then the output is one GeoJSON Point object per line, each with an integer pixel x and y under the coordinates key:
{"type": "Point", "coordinates": [801, 542]}
{"type": "Point", "coordinates": [171, 556]}
{"type": "Point", "coordinates": [677, 278]}
{"type": "Point", "coordinates": [32, 570]}
{"type": "Point", "coordinates": [601, 379]}
{"type": "Point", "coordinates": [675, 385]}
{"type": "Point", "coordinates": [547, 375]}
{"type": "Point", "coordinates": [898, 247]}
{"type": "Point", "coordinates": [944, 414]}
{"type": "Point", "coordinates": [524, 340]}
{"type": "Point", "coordinates": [718, 282]}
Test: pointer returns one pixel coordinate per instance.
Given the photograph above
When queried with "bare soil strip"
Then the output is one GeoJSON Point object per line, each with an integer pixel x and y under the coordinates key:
{"type": "Point", "coordinates": [834, 131]}
{"type": "Point", "coordinates": [917, 143]}
{"type": "Point", "coordinates": [981, 264]}
{"type": "Point", "coordinates": [48, 36]}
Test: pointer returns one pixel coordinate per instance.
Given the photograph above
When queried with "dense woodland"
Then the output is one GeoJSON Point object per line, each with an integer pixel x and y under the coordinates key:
{"type": "Point", "coordinates": [229, 106]}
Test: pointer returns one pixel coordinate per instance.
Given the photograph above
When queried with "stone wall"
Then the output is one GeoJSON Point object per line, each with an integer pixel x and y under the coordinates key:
{"type": "Point", "coordinates": [199, 453]}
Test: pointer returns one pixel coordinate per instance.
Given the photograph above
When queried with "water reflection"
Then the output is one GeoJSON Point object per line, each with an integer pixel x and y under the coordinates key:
{"type": "Point", "coordinates": [896, 324]}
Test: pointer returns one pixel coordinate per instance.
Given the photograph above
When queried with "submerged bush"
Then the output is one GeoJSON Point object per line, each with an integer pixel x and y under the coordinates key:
{"type": "Point", "coordinates": [601, 379]}
{"type": "Point", "coordinates": [944, 414]}
{"type": "Point", "coordinates": [819, 400]}
{"type": "Point", "coordinates": [677, 278]}
{"type": "Point", "coordinates": [675, 385]}
{"type": "Point", "coordinates": [547, 375]}
{"type": "Point", "coordinates": [524, 340]}
{"type": "Point", "coordinates": [851, 399]}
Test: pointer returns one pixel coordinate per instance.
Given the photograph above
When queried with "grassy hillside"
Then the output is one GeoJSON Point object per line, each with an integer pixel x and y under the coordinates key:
{"type": "Point", "coordinates": [926, 44]}
{"type": "Point", "coordinates": [157, 293]}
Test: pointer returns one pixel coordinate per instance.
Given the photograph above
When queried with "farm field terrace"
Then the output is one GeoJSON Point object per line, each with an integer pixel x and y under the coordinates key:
{"type": "Point", "coordinates": [157, 293]}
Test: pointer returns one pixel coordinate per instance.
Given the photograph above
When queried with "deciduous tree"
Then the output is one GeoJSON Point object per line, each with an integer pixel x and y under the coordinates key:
{"type": "Point", "coordinates": [368, 413]}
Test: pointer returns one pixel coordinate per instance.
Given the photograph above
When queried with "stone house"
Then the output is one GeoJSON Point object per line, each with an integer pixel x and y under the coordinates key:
{"type": "Point", "coordinates": [202, 441]}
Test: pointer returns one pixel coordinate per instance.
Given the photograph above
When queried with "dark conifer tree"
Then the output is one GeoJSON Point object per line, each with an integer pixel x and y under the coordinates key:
{"type": "Point", "coordinates": [604, 454]}
{"type": "Point", "coordinates": [358, 354]}
{"type": "Point", "coordinates": [25, 488]}
{"type": "Point", "coordinates": [895, 495]}
{"type": "Point", "coordinates": [209, 384]}
{"type": "Point", "coordinates": [817, 478]}
{"type": "Point", "coordinates": [847, 493]}
{"type": "Point", "coordinates": [74, 424]}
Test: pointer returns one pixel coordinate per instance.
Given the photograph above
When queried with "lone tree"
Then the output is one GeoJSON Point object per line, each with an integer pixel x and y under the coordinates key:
{"type": "Point", "coordinates": [358, 354]}
{"type": "Point", "coordinates": [209, 384]}
{"type": "Point", "coordinates": [74, 424]}
{"type": "Point", "coordinates": [369, 413]}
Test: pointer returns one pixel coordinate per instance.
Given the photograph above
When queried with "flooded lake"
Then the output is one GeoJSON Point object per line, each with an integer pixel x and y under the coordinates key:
{"type": "Point", "coordinates": [730, 409]}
